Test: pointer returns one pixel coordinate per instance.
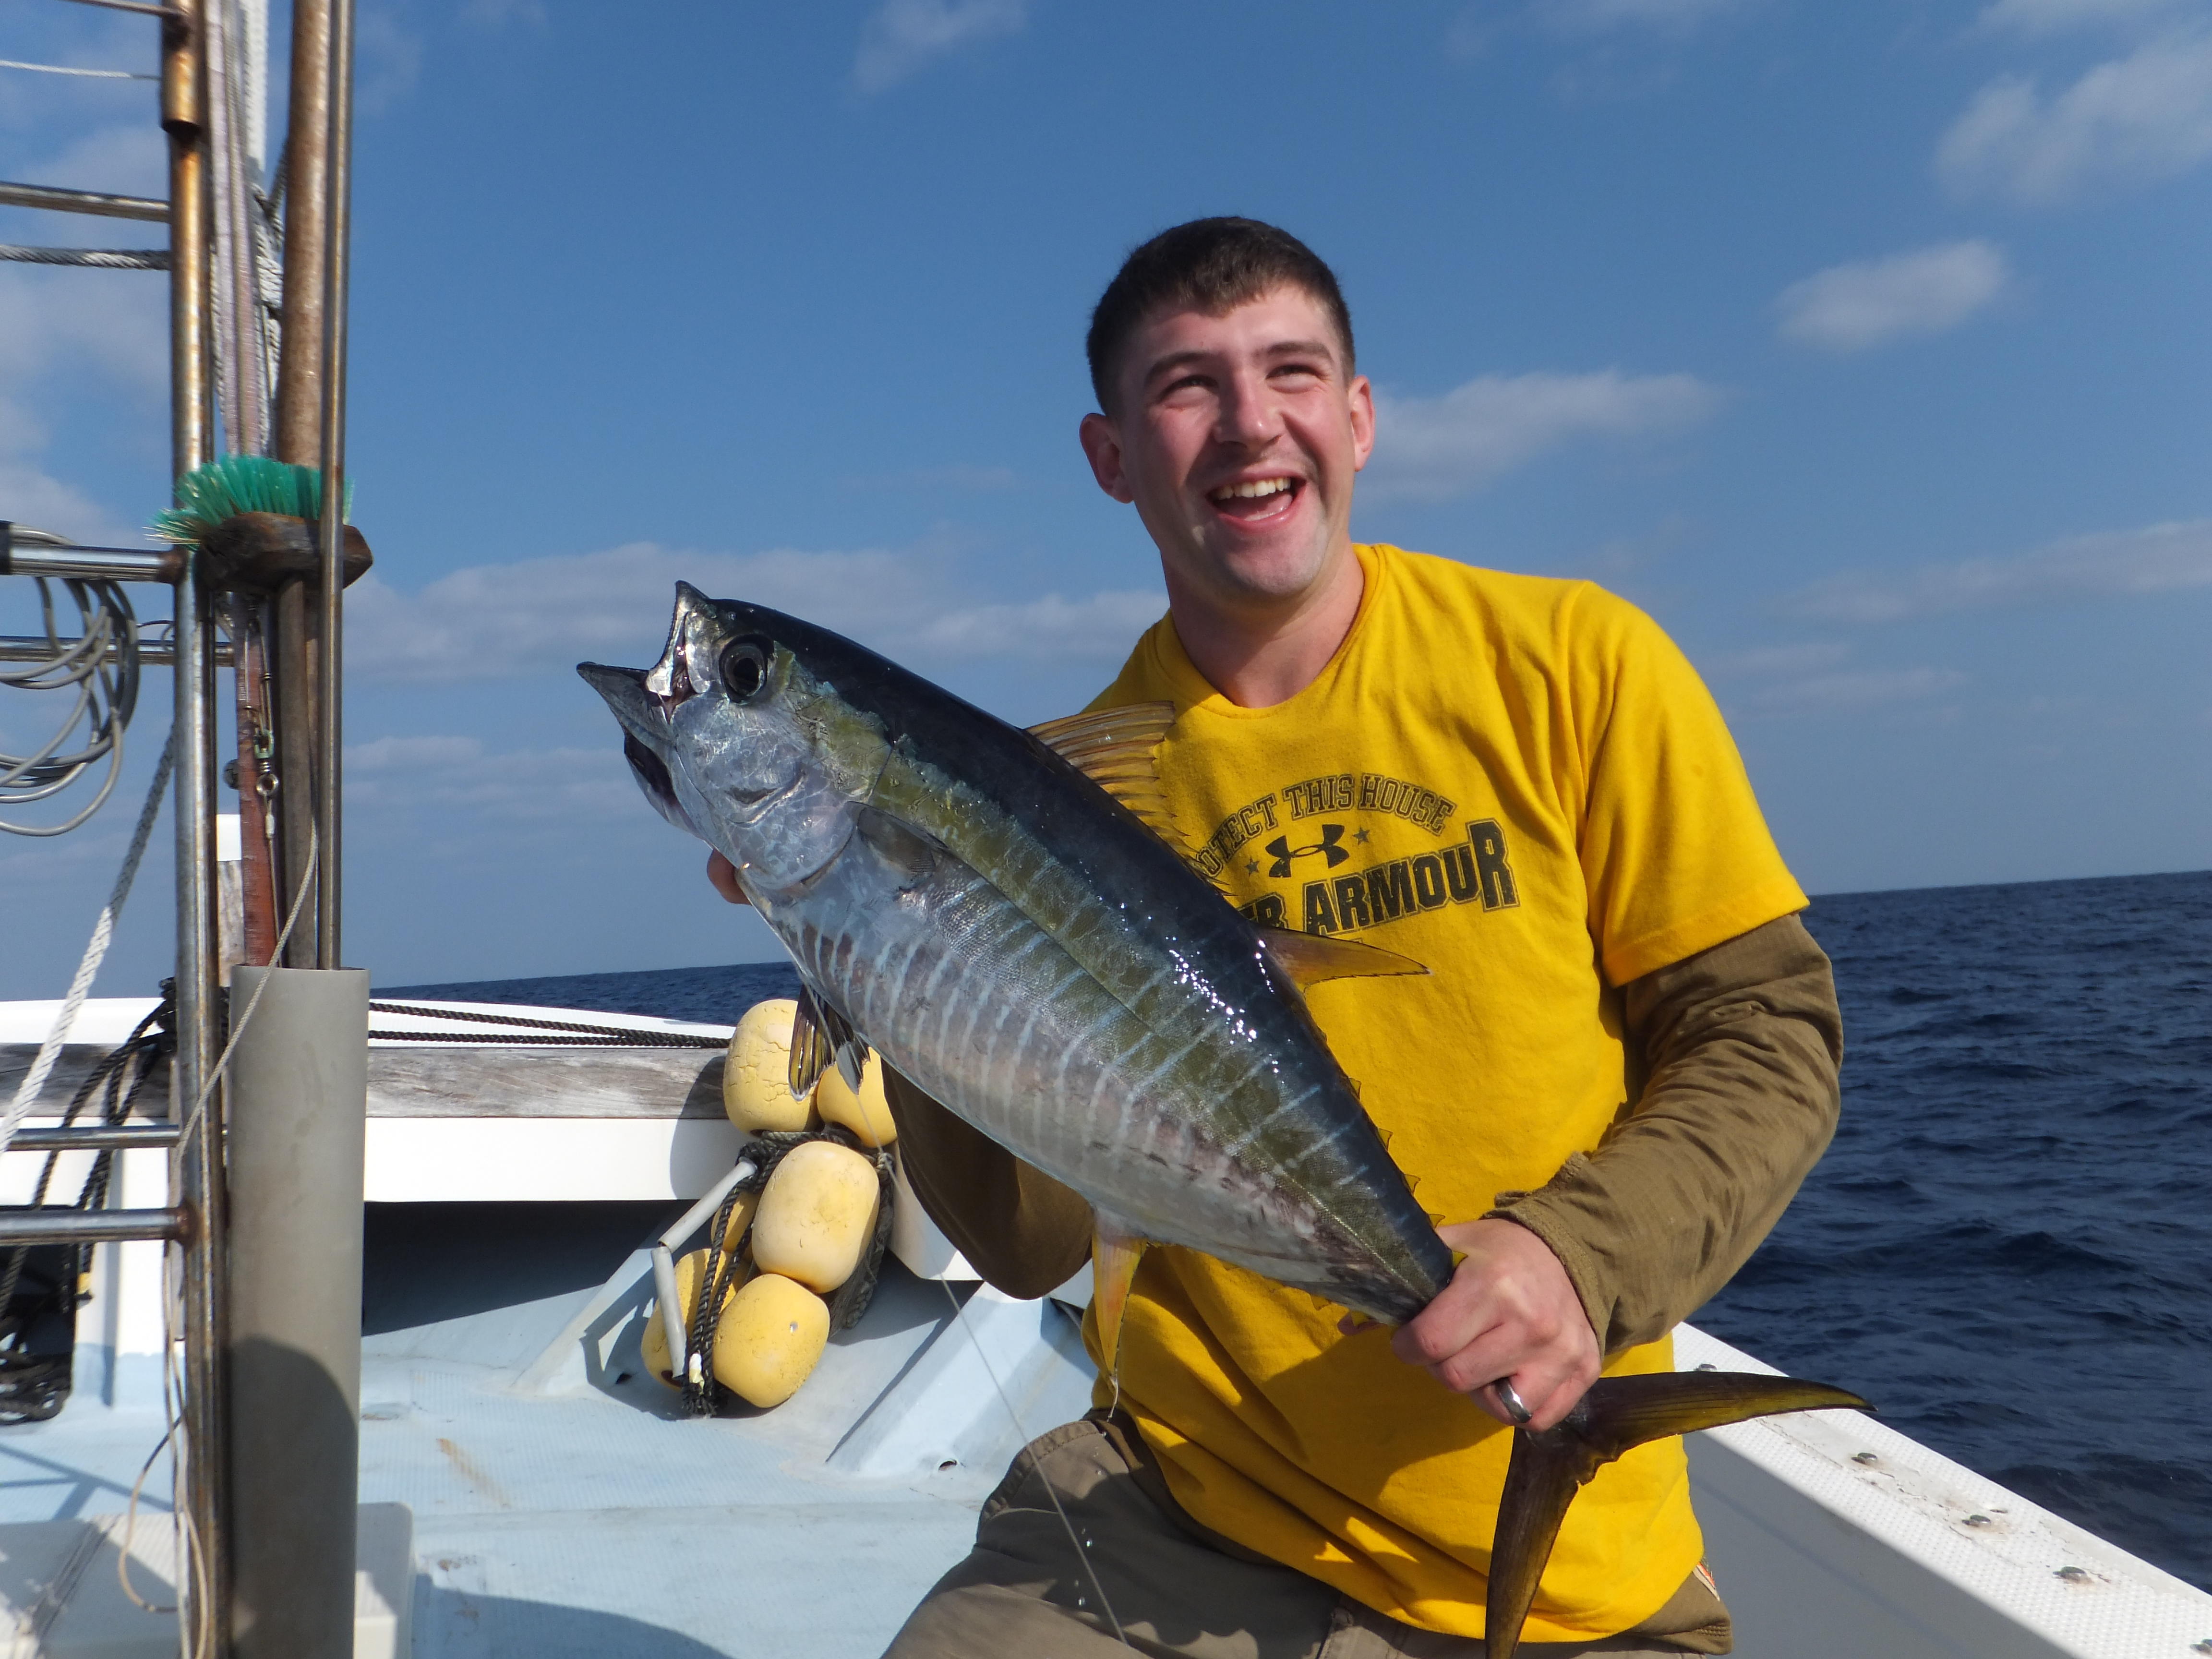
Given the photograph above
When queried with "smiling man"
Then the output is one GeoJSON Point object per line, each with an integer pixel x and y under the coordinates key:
{"type": "Point", "coordinates": [1622, 1063]}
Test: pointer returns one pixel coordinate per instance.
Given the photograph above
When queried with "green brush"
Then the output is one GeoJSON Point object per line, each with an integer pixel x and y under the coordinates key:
{"type": "Point", "coordinates": [207, 495]}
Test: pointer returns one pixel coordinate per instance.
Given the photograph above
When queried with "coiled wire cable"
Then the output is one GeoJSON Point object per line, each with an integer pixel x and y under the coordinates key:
{"type": "Point", "coordinates": [101, 663]}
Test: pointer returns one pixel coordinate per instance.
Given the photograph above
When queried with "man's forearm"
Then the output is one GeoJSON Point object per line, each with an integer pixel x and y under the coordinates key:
{"type": "Point", "coordinates": [1019, 1228]}
{"type": "Point", "coordinates": [1741, 1047]}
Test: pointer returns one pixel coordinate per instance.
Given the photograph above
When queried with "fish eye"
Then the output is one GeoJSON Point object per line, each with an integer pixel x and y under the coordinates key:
{"type": "Point", "coordinates": [744, 669]}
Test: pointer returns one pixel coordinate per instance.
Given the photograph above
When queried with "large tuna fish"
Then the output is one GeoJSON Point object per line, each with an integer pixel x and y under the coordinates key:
{"type": "Point", "coordinates": [991, 909]}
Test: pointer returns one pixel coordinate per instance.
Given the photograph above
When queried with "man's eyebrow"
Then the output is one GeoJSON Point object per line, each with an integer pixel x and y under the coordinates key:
{"type": "Point", "coordinates": [1179, 360]}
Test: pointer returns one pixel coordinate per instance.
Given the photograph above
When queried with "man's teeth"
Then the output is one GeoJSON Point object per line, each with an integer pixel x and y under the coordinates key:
{"type": "Point", "coordinates": [1257, 488]}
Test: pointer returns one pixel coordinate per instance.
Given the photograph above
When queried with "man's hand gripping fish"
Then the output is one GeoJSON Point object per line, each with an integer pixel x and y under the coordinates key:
{"type": "Point", "coordinates": [993, 910]}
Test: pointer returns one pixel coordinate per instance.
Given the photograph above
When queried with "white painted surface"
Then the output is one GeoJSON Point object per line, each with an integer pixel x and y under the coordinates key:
{"type": "Point", "coordinates": [101, 1019]}
{"type": "Point", "coordinates": [917, 1241]}
{"type": "Point", "coordinates": [1908, 1555]}
{"type": "Point", "coordinates": [414, 1160]}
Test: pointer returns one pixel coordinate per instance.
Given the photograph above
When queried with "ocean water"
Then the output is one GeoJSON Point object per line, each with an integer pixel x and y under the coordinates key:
{"type": "Point", "coordinates": [2008, 1248]}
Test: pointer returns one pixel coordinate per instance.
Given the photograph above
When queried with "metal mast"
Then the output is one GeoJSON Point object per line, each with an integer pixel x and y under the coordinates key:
{"type": "Point", "coordinates": [268, 1515]}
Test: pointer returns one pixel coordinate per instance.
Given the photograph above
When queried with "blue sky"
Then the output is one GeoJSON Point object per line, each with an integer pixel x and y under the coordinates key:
{"type": "Point", "coordinates": [1865, 346]}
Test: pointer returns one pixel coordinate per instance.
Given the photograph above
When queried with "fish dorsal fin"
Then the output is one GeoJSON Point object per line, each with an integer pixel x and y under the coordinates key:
{"type": "Point", "coordinates": [1116, 748]}
{"type": "Point", "coordinates": [1309, 958]}
{"type": "Point", "coordinates": [821, 1037]}
{"type": "Point", "coordinates": [1115, 1253]}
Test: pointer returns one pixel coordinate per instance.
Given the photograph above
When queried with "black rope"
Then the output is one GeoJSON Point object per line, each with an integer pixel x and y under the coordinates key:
{"type": "Point", "coordinates": [848, 1302]}
{"type": "Point", "coordinates": [493, 1039]}
{"type": "Point", "coordinates": [609, 1036]}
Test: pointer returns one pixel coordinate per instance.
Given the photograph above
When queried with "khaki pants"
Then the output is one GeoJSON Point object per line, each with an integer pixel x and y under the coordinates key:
{"type": "Point", "coordinates": [1178, 1588]}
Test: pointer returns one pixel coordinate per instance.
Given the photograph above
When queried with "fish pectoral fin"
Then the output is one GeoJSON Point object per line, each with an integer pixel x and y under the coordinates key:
{"type": "Point", "coordinates": [851, 1057]}
{"type": "Point", "coordinates": [810, 1049]}
{"type": "Point", "coordinates": [1115, 1253]}
{"type": "Point", "coordinates": [1116, 749]}
{"type": "Point", "coordinates": [1309, 958]}
{"type": "Point", "coordinates": [1618, 1414]}
{"type": "Point", "coordinates": [821, 1037]}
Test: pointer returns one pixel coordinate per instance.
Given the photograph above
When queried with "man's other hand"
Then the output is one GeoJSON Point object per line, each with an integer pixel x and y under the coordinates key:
{"type": "Point", "coordinates": [724, 875]}
{"type": "Point", "coordinates": [1509, 1313]}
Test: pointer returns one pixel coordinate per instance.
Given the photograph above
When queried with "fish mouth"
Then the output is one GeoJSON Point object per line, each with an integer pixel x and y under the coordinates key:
{"type": "Point", "coordinates": [643, 714]}
{"type": "Point", "coordinates": [652, 772]}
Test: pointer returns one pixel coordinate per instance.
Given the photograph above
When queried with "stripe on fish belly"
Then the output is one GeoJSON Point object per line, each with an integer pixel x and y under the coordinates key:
{"type": "Point", "coordinates": [1193, 1135]}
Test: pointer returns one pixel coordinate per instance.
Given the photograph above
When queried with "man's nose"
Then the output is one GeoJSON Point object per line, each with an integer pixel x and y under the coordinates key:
{"type": "Point", "coordinates": [1249, 415]}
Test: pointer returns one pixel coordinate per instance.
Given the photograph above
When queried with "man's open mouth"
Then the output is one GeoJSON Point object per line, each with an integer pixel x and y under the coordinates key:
{"type": "Point", "coordinates": [1254, 500]}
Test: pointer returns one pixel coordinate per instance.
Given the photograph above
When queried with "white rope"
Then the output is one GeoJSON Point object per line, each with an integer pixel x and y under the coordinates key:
{"type": "Point", "coordinates": [103, 930]}
{"type": "Point", "coordinates": [96, 75]}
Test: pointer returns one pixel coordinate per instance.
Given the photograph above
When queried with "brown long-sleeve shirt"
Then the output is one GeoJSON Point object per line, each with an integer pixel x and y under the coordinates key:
{"type": "Point", "coordinates": [1734, 1055]}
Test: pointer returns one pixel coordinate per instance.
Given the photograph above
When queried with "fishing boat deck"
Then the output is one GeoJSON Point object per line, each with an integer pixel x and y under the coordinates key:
{"type": "Point", "coordinates": [562, 1504]}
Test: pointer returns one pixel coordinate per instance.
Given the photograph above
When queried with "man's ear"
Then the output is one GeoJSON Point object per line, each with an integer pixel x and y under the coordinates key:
{"type": "Point", "coordinates": [1363, 421]}
{"type": "Point", "coordinates": [1102, 447]}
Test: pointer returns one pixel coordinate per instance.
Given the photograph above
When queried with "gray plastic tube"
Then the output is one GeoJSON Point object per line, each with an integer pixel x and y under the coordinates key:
{"type": "Point", "coordinates": [297, 1106]}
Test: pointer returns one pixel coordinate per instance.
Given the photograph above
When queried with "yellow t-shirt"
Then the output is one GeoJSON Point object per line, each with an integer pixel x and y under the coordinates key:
{"type": "Point", "coordinates": [1522, 783]}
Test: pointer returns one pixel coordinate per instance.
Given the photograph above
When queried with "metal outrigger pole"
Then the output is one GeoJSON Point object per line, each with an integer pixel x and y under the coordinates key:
{"type": "Point", "coordinates": [269, 1234]}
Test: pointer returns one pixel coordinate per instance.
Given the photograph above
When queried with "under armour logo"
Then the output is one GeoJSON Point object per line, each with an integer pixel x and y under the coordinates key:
{"type": "Point", "coordinates": [1331, 833]}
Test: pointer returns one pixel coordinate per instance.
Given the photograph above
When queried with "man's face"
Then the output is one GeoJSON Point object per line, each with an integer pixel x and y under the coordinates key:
{"type": "Point", "coordinates": [1237, 439]}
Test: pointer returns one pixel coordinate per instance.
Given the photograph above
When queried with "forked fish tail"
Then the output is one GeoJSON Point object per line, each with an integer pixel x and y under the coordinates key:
{"type": "Point", "coordinates": [1618, 1414]}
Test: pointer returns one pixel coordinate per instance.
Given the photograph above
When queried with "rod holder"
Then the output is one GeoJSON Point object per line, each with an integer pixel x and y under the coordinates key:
{"type": "Point", "coordinates": [298, 1094]}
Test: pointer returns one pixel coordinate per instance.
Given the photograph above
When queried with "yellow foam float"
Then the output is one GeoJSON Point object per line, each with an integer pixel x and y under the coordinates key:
{"type": "Point", "coordinates": [771, 1337]}
{"type": "Point", "coordinates": [817, 1215]}
{"type": "Point", "coordinates": [756, 1077]}
{"type": "Point", "coordinates": [653, 1345]}
{"type": "Point", "coordinates": [866, 1114]}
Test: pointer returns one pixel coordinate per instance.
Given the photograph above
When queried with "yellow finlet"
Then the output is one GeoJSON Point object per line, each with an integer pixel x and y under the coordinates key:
{"type": "Point", "coordinates": [1309, 958]}
{"type": "Point", "coordinates": [1114, 1257]}
{"type": "Point", "coordinates": [1115, 748]}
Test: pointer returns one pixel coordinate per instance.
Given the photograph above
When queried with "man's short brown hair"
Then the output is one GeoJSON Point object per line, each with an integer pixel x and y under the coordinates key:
{"type": "Point", "coordinates": [1208, 265]}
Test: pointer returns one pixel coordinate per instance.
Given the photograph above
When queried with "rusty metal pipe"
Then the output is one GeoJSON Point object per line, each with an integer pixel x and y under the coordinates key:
{"type": "Point", "coordinates": [338, 178]}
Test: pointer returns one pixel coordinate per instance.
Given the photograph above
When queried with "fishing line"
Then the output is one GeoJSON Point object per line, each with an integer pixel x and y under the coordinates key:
{"type": "Point", "coordinates": [960, 1313]}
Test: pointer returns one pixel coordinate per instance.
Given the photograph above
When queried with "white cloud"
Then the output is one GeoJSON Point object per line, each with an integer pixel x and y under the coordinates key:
{"type": "Point", "coordinates": [1676, 15]}
{"type": "Point", "coordinates": [454, 776]}
{"type": "Point", "coordinates": [1047, 629]}
{"type": "Point", "coordinates": [542, 615]}
{"type": "Point", "coordinates": [60, 329]}
{"type": "Point", "coordinates": [1435, 447]}
{"type": "Point", "coordinates": [1769, 660]}
{"type": "Point", "coordinates": [130, 161]}
{"type": "Point", "coordinates": [2161, 558]}
{"type": "Point", "coordinates": [2132, 120]}
{"type": "Point", "coordinates": [390, 59]}
{"type": "Point", "coordinates": [2039, 17]}
{"type": "Point", "coordinates": [1811, 678]}
{"type": "Point", "coordinates": [498, 13]}
{"type": "Point", "coordinates": [1854, 689]}
{"type": "Point", "coordinates": [1851, 306]}
{"type": "Point", "coordinates": [902, 37]}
